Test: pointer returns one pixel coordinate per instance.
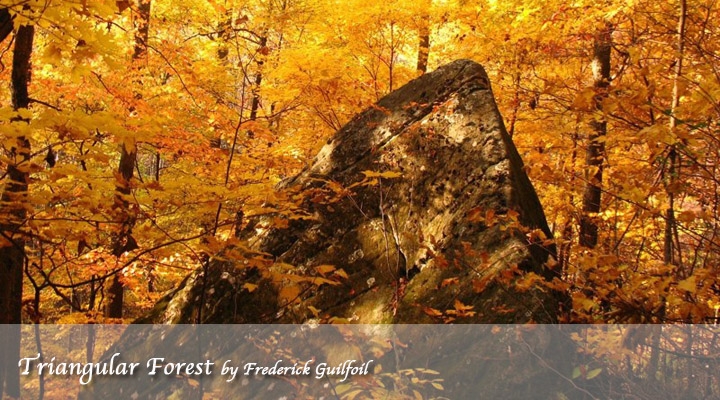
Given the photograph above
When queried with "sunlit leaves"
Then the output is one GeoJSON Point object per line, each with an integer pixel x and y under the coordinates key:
{"type": "Point", "coordinates": [186, 108]}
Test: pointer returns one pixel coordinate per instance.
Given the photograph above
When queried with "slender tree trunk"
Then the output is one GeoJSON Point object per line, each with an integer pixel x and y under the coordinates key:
{"type": "Point", "coordinates": [391, 61]}
{"type": "Point", "coordinates": [669, 254]}
{"type": "Point", "coordinates": [254, 107]}
{"type": "Point", "coordinates": [516, 101]}
{"type": "Point", "coordinates": [12, 217]}
{"type": "Point", "coordinates": [255, 104]}
{"type": "Point", "coordinates": [424, 44]}
{"type": "Point", "coordinates": [595, 153]}
{"type": "Point", "coordinates": [423, 27]}
{"type": "Point", "coordinates": [124, 241]}
{"type": "Point", "coordinates": [6, 24]}
{"type": "Point", "coordinates": [142, 28]}
{"type": "Point", "coordinates": [654, 362]}
{"type": "Point", "coordinates": [225, 29]}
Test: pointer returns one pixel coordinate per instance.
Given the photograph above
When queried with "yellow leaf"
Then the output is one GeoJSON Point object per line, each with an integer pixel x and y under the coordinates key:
{"type": "Point", "coordinates": [432, 312]}
{"type": "Point", "coordinates": [250, 287]}
{"type": "Point", "coordinates": [584, 100]}
{"type": "Point", "coordinates": [314, 310]}
{"type": "Point", "coordinates": [428, 371]}
{"type": "Point", "coordinates": [24, 113]}
{"type": "Point", "coordinates": [129, 144]}
{"type": "Point", "coordinates": [686, 216]}
{"type": "Point", "coordinates": [387, 174]}
{"type": "Point", "coordinates": [584, 303]}
{"type": "Point", "coordinates": [320, 281]}
{"type": "Point", "coordinates": [324, 269]}
{"type": "Point", "coordinates": [688, 284]}
{"type": "Point", "coordinates": [290, 294]}
{"type": "Point", "coordinates": [459, 306]}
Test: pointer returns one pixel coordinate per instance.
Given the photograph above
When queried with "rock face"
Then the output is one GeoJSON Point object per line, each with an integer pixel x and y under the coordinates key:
{"type": "Point", "coordinates": [423, 204]}
{"type": "Point", "coordinates": [421, 200]}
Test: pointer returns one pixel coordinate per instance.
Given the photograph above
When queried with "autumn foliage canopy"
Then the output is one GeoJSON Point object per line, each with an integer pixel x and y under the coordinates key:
{"type": "Point", "coordinates": [151, 131]}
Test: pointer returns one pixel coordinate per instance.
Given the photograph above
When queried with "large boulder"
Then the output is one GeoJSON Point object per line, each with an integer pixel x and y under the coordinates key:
{"type": "Point", "coordinates": [421, 200]}
{"type": "Point", "coordinates": [417, 211]}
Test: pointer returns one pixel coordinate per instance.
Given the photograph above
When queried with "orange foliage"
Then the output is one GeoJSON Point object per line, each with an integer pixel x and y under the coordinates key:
{"type": "Point", "coordinates": [233, 97]}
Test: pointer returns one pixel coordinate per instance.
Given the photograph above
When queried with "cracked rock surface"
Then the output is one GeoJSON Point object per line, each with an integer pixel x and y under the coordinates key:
{"type": "Point", "coordinates": [447, 220]}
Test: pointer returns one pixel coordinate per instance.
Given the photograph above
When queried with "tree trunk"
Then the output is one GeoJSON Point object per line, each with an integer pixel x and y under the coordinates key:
{"type": "Point", "coordinates": [595, 153]}
{"type": "Point", "coordinates": [255, 104]}
{"type": "Point", "coordinates": [13, 214]}
{"type": "Point", "coordinates": [124, 241]}
{"type": "Point", "coordinates": [225, 28]}
{"type": "Point", "coordinates": [672, 255]}
{"type": "Point", "coordinates": [254, 107]}
{"type": "Point", "coordinates": [424, 44]}
{"type": "Point", "coordinates": [6, 24]}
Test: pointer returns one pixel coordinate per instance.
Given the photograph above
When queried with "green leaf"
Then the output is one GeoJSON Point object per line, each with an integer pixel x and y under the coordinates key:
{"type": "Point", "coordinates": [576, 373]}
{"type": "Point", "coordinates": [592, 374]}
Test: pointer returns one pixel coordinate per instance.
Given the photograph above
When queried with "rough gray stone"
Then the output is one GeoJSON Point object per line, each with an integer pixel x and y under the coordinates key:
{"type": "Point", "coordinates": [435, 229]}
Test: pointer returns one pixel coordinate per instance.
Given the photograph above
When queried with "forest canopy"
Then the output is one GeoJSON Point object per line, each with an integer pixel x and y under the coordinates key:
{"type": "Point", "coordinates": [139, 137]}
